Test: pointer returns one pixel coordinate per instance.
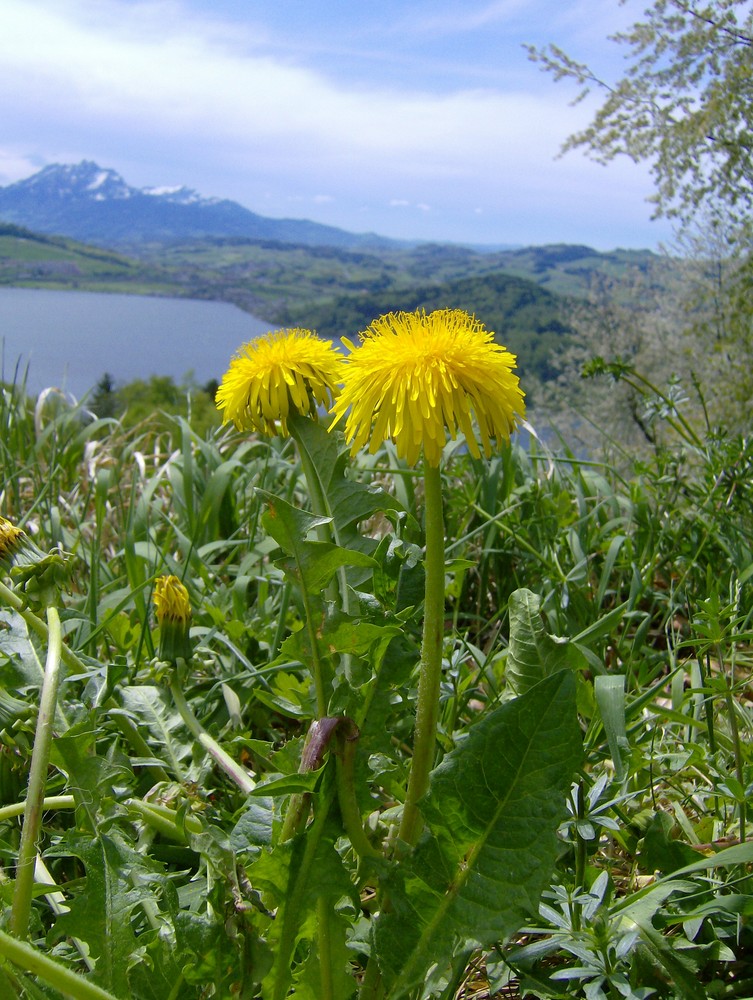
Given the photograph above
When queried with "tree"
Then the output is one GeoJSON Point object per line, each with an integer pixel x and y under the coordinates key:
{"type": "Point", "coordinates": [684, 105]}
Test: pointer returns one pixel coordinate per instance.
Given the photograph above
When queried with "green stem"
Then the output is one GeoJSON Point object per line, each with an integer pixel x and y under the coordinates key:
{"type": "Point", "coordinates": [324, 934]}
{"type": "Point", "coordinates": [51, 802]}
{"type": "Point", "coordinates": [291, 917]}
{"type": "Point", "coordinates": [317, 667]}
{"type": "Point", "coordinates": [233, 770]}
{"type": "Point", "coordinates": [38, 626]}
{"type": "Point", "coordinates": [165, 820]}
{"type": "Point", "coordinates": [137, 741]}
{"type": "Point", "coordinates": [325, 533]}
{"type": "Point", "coordinates": [738, 752]}
{"type": "Point", "coordinates": [347, 799]}
{"type": "Point", "coordinates": [320, 505]}
{"type": "Point", "coordinates": [40, 759]}
{"type": "Point", "coordinates": [64, 980]}
{"type": "Point", "coordinates": [427, 708]}
{"type": "Point", "coordinates": [372, 987]}
{"type": "Point", "coordinates": [580, 852]}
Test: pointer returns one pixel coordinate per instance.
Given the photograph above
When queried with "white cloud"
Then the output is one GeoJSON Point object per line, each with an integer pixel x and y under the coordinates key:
{"type": "Point", "coordinates": [196, 98]}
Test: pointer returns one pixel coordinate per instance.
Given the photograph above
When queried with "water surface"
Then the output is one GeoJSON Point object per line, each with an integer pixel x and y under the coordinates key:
{"type": "Point", "coordinates": [70, 339]}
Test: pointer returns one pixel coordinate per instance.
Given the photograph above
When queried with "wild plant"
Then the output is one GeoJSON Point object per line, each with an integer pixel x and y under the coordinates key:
{"type": "Point", "coordinates": [319, 721]}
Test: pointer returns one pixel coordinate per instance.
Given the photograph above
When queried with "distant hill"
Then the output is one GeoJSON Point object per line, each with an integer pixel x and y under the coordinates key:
{"type": "Point", "coordinates": [94, 204]}
{"type": "Point", "coordinates": [524, 295]}
{"type": "Point", "coordinates": [524, 317]}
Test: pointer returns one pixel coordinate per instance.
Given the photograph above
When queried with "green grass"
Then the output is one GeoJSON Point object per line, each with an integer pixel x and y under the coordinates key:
{"type": "Point", "coordinates": [635, 585]}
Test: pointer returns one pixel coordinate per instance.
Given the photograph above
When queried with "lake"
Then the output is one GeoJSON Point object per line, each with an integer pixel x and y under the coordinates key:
{"type": "Point", "coordinates": [70, 339]}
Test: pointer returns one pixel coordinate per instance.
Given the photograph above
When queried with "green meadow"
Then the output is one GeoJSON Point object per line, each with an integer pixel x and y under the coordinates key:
{"type": "Point", "coordinates": [196, 827]}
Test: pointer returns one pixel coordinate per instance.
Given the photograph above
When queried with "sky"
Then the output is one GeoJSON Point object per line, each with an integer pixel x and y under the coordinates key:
{"type": "Point", "coordinates": [415, 119]}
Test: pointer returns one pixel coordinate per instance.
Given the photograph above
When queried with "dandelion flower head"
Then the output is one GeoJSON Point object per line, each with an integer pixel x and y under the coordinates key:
{"type": "Point", "coordinates": [171, 600]}
{"type": "Point", "coordinates": [172, 607]}
{"type": "Point", "coordinates": [417, 376]}
{"type": "Point", "coordinates": [11, 538]}
{"type": "Point", "coordinates": [274, 374]}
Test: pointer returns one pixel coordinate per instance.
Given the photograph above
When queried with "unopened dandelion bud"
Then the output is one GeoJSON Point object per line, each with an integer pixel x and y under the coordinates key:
{"type": "Point", "coordinates": [172, 608]}
{"type": "Point", "coordinates": [39, 575]}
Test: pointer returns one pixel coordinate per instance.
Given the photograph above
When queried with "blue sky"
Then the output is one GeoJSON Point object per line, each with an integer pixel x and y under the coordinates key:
{"type": "Point", "coordinates": [411, 118]}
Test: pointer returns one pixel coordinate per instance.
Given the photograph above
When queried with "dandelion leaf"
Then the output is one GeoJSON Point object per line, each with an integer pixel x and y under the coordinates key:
{"type": "Point", "coordinates": [490, 844]}
{"type": "Point", "coordinates": [534, 653]}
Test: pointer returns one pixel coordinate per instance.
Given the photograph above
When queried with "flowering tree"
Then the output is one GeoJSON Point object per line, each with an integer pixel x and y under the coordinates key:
{"type": "Point", "coordinates": [684, 104]}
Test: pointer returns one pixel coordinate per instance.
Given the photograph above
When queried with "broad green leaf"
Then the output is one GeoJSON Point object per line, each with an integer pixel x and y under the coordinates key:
{"type": "Point", "coordinates": [254, 826]}
{"type": "Point", "coordinates": [91, 776]}
{"type": "Point", "coordinates": [211, 959]}
{"type": "Point", "coordinates": [289, 783]}
{"type": "Point", "coordinates": [492, 812]}
{"type": "Point", "coordinates": [534, 653]}
{"type": "Point", "coordinates": [609, 690]}
{"type": "Point", "coordinates": [24, 668]}
{"type": "Point", "coordinates": [300, 874]}
{"type": "Point", "coordinates": [340, 634]}
{"type": "Point", "coordinates": [660, 852]}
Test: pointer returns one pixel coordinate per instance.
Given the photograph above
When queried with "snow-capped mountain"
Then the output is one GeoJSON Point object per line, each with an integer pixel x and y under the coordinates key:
{"type": "Point", "coordinates": [94, 204]}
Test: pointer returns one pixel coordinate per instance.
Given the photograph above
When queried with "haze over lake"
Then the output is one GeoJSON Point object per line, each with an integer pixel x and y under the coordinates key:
{"type": "Point", "coordinates": [70, 339]}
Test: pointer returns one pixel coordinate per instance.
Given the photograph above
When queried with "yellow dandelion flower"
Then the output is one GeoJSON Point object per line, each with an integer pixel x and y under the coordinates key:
{"type": "Point", "coordinates": [172, 608]}
{"type": "Point", "coordinates": [279, 372]}
{"type": "Point", "coordinates": [416, 376]}
{"type": "Point", "coordinates": [11, 540]}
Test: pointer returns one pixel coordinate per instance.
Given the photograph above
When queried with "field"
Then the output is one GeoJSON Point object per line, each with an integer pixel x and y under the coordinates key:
{"type": "Point", "coordinates": [585, 832]}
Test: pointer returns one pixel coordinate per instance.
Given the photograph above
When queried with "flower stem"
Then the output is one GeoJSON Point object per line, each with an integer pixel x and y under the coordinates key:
{"type": "Point", "coordinates": [290, 918]}
{"type": "Point", "coordinates": [348, 801]}
{"type": "Point", "coordinates": [233, 770]}
{"type": "Point", "coordinates": [427, 708]}
{"type": "Point", "coordinates": [39, 626]}
{"type": "Point", "coordinates": [325, 533]}
{"type": "Point", "coordinates": [40, 759]}
{"type": "Point", "coordinates": [50, 802]}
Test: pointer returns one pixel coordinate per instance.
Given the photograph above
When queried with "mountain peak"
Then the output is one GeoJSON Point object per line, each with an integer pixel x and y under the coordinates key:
{"type": "Point", "coordinates": [79, 180]}
{"type": "Point", "coordinates": [88, 202]}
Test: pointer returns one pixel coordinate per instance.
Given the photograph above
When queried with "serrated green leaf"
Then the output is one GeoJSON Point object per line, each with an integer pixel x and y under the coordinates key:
{"type": "Point", "coordinates": [311, 564]}
{"type": "Point", "coordinates": [340, 634]}
{"type": "Point", "coordinates": [534, 653]}
{"type": "Point", "coordinates": [349, 502]}
{"type": "Point", "coordinates": [253, 829]}
{"type": "Point", "coordinates": [25, 668]}
{"type": "Point", "coordinates": [492, 812]}
{"type": "Point", "coordinates": [300, 782]}
{"type": "Point", "coordinates": [151, 707]}
{"type": "Point", "coordinates": [300, 874]}
{"type": "Point", "coordinates": [101, 914]}
{"type": "Point", "coordinates": [90, 776]}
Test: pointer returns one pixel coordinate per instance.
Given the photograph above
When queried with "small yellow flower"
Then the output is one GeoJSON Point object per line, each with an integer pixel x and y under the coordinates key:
{"type": "Point", "coordinates": [12, 539]}
{"type": "Point", "coordinates": [173, 610]}
{"type": "Point", "coordinates": [416, 376]}
{"type": "Point", "coordinates": [279, 372]}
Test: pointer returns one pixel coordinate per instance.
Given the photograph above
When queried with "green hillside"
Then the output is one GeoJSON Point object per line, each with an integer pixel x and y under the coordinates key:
{"type": "Point", "coordinates": [524, 317]}
{"type": "Point", "coordinates": [33, 260]}
{"type": "Point", "coordinates": [523, 295]}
